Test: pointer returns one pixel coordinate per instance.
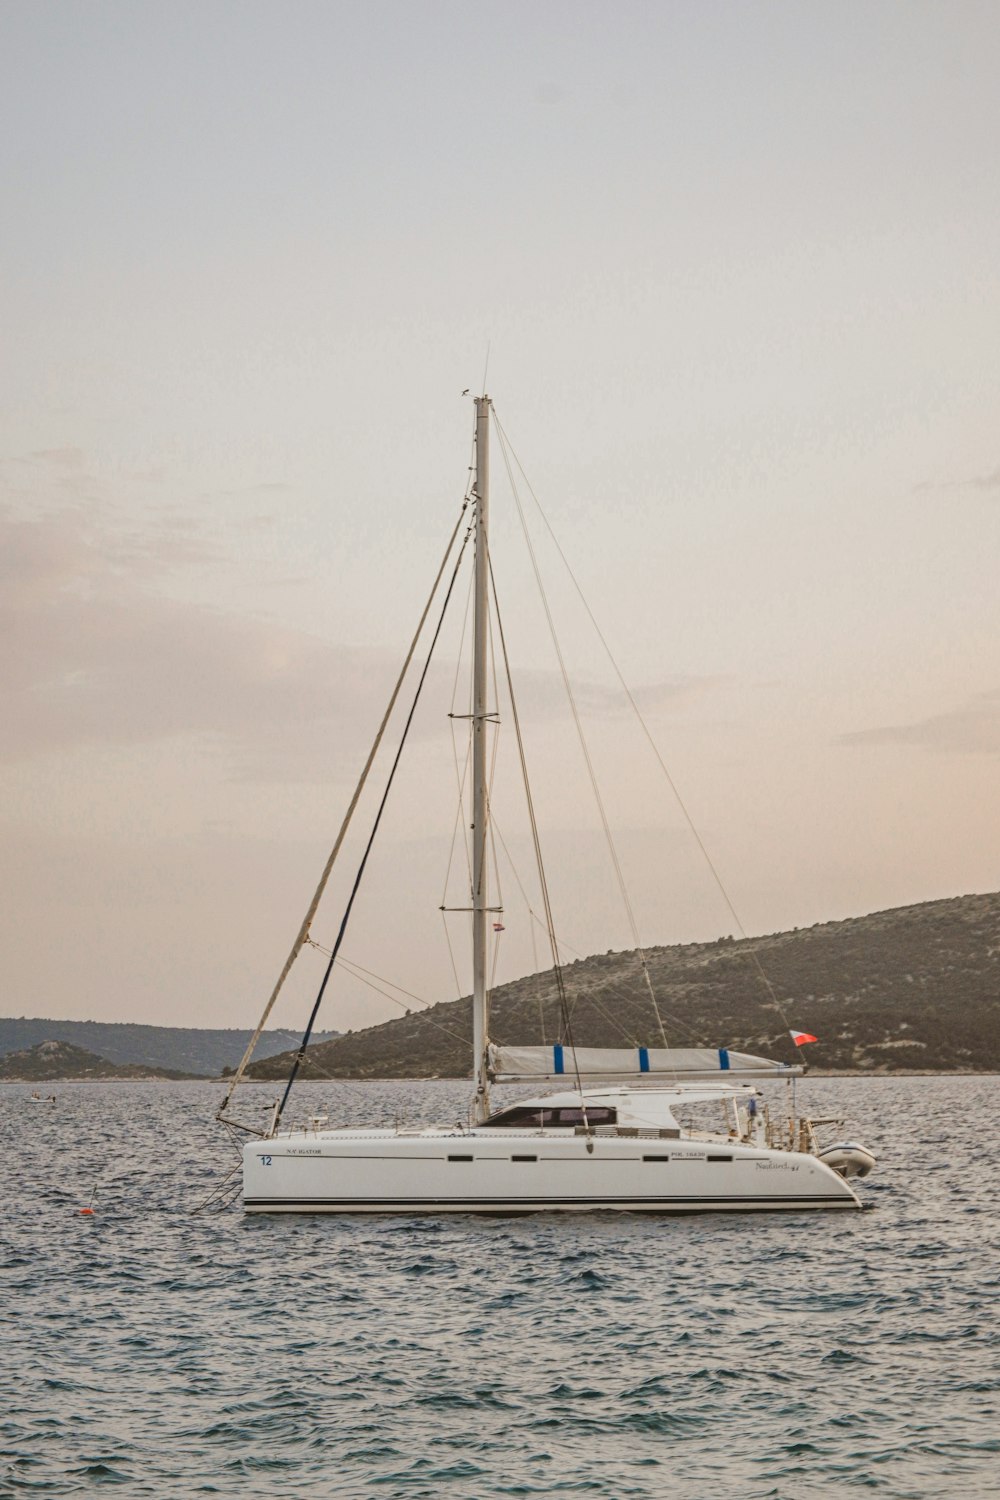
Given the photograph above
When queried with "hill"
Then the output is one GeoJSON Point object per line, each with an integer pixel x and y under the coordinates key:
{"type": "Point", "coordinates": [916, 988]}
{"type": "Point", "coordinates": [50, 1059]}
{"type": "Point", "coordinates": [186, 1050]}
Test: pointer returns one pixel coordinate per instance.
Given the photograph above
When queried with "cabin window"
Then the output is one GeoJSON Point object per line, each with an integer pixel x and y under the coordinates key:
{"type": "Point", "coordinates": [720, 1158]}
{"type": "Point", "coordinates": [520, 1118]}
{"type": "Point", "coordinates": [597, 1114]}
{"type": "Point", "coordinates": [656, 1158]}
{"type": "Point", "coordinates": [531, 1117]}
{"type": "Point", "coordinates": [524, 1158]}
{"type": "Point", "coordinates": [461, 1158]}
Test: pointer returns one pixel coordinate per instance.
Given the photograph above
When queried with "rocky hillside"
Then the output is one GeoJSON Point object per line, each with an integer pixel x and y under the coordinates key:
{"type": "Point", "coordinates": [51, 1060]}
{"type": "Point", "coordinates": [916, 988]}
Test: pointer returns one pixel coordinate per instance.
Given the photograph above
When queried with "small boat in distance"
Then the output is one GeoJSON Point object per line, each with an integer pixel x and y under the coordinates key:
{"type": "Point", "coordinates": [615, 1132]}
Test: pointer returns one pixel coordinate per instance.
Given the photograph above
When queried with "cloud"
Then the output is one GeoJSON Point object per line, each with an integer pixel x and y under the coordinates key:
{"type": "Point", "coordinates": [982, 482]}
{"type": "Point", "coordinates": [973, 729]}
{"type": "Point", "coordinates": [660, 697]}
{"type": "Point", "coordinates": [264, 487]}
{"type": "Point", "coordinates": [541, 695]}
{"type": "Point", "coordinates": [96, 652]}
{"type": "Point", "coordinates": [74, 459]}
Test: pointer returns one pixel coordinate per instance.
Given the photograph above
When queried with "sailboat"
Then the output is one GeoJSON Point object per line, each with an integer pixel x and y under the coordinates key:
{"type": "Point", "coordinates": [608, 1133]}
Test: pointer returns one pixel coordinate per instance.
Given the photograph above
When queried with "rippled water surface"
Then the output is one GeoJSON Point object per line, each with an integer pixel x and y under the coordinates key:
{"type": "Point", "coordinates": [170, 1354]}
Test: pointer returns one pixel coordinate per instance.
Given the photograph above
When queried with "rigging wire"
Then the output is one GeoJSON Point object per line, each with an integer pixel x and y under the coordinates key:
{"type": "Point", "coordinates": [495, 750]}
{"type": "Point", "coordinates": [371, 838]}
{"type": "Point", "coordinates": [564, 1008]}
{"type": "Point", "coordinates": [352, 963]}
{"type": "Point", "coordinates": [571, 697]}
{"type": "Point", "coordinates": [452, 718]}
{"type": "Point", "coordinates": [494, 753]}
{"type": "Point", "coordinates": [307, 921]}
{"type": "Point", "coordinates": [451, 954]}
{"type": "Point", "coordinates": [460, 779]}
{"type": "Point", "coordinates": [671, 783]}
{"type": "Point", "coordinates": [533, 918]}
{"type": "Point", "coordinates": [224, 1194]}
{"type": "Point", "coordinates": [309, 1061]}
{"type": "Point", "coordinates": [610, 986]}
{"type": "Point", "coordinates": [368, 977]}
{"type": "Point", "coordinates": [592, 1001]}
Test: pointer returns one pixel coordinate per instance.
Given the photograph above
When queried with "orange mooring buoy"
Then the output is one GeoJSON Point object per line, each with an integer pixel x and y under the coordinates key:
{"type": "Point", "coordinates": [86, 1210]}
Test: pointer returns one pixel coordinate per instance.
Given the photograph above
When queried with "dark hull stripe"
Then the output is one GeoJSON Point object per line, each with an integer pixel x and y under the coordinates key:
{"type": "Point", "coordinates": [654, 1204]}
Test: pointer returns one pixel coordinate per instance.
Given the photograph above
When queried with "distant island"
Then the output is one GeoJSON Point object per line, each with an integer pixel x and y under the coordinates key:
{"type": "Point", "coordinates": [163, 1051]}
{"type": "Point", "coordinates": [912, 990]}
{"type": "Point", "coordinates": [61, 1060]}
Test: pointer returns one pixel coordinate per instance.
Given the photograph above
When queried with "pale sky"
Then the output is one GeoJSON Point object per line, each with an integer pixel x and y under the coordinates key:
{"type": "Point", "coordinates": [737, 269]}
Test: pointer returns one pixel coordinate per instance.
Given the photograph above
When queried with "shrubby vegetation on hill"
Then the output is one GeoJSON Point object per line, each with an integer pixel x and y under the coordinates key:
{"type": "Point", "coordinates": [916, 988]}
{"type": "Point", "coordinates": [61, 1060]}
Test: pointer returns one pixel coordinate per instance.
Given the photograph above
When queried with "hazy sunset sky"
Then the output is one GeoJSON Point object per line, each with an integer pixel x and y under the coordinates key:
{"type": "Point", "coordinates": [738, 269]}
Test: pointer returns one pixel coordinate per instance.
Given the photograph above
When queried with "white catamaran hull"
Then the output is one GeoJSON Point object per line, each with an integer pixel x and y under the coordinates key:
{"type": "Point", "coordinates": [437, 1172]}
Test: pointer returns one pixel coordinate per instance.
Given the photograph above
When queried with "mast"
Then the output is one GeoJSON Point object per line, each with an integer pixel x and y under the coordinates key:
{"type": "Point", "coordinates": [480, 996]}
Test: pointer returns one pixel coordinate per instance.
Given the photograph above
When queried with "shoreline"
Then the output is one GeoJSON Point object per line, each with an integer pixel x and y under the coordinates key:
{"type": "Point", "coordinates": [449, 1078]}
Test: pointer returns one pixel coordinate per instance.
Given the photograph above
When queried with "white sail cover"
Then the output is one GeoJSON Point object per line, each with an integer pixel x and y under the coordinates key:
{"type": "Point", "coordinates": [508, 1064]}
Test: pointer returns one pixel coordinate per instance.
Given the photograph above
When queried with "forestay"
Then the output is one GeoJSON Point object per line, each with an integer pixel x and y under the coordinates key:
{"type": "Point", "coordinates": [510, 1064]}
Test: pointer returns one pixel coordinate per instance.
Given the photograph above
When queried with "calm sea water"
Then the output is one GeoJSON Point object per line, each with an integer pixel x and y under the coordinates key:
{"type": "Point", "coordinates": [168, 1353]}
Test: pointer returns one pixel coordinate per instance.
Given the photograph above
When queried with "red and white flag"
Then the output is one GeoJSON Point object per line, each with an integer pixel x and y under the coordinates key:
{"type": "Point", "coordinates": [801, 1037]}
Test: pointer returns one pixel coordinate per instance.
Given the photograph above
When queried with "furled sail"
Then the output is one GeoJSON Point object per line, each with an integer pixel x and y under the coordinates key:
{"type": "Point", "coordinates": [604, 1064]}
